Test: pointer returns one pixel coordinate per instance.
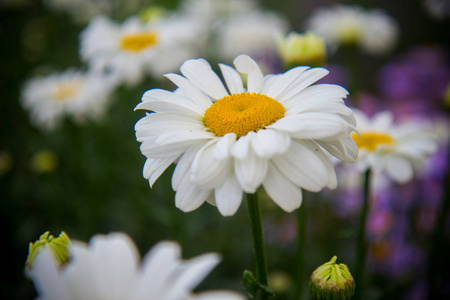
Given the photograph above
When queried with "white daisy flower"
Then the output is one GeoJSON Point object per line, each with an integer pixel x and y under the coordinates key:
{"type": "Point", "coordinates": [252, 33]}
{"type": "Point", "coordinates": [372, 30]}
{"type": "Point", "coordinates": [394, 149]}
{"type": "Point", "coordinates": [70, 93]}
{"type": "Point", "coordinates": [108, 269]}
{"type": "Point", "coordinates": [231, 140]}
{"type": "Point", "coordinates": [133, 49]}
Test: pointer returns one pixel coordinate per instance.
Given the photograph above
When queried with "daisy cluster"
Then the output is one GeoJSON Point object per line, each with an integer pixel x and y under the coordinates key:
{"type": "Point", "coordinates": [240, 103]}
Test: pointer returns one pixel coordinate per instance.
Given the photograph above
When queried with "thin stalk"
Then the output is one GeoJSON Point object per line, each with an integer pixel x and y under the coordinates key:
{"type": "Point", "coordinates": [361, 241]}
{"type": "Point", "coordinates": [301, 238]}
{"type": "Point", "coordinates": [254, 212]}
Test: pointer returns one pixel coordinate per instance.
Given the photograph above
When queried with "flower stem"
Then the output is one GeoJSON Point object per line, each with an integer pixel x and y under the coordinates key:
{"type": "Point", "coordinates": [361, 242]}
{"type": "Point", "coordinates": [258, 241]}
{"type": "Point", "coordinates": [301, 238]}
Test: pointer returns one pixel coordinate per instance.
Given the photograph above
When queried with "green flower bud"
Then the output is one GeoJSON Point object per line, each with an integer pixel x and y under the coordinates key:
{"type": "Point", "coordinates": [59, 247]}
{"type": "Point", "coordinates": [302, 49]}
{"type": "Point", "coordinates": [44, 161]}
{"type": "Point", "coordinates": [331, 281]}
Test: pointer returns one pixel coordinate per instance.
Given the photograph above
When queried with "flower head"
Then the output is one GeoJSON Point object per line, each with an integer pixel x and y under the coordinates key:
{"type": "Point", "coordinates": [230, 140]}
{"type": "Point", "coordinates": [130, 50]}
{"type": "Point", "coordinates": [58, 248]}
{"type": "Point", "coordinates": [331, 281]}
{"type": "Point", "coordinates": [396, 149]}
{"type": "Point", "coordinates": [372, 30]}
{"type": "Point", "coordinates": [70, 93]}
{"type": "Point", "coordinates": [108, 268]}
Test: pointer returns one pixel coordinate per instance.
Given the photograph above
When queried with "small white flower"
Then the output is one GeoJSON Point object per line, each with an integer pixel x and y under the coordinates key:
{"type": "Point", "coordinates": [70, 93]}
{"type": "Point", "coordinates": [372, 30]}
{"type": "Point", "coordinates": [395, 149]}
{"type": "Point", "coordinates": [133, 49]}
{"type": "Point", "coordinates": [230, 140]}
{"type": "Point", "coordinates": [251, 33]}
{"type": "Point", "coordinates": [109, 269]}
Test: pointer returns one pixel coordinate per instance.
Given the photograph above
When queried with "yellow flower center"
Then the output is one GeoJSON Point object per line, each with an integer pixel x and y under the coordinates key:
{"type": "Point", "coordinates": [372, 140]}
{"type": "Point", "coordinates": [65, 90]}
{"type": "Point", "coordinates": [242, 113]}
{"type": "Point", "coordinates": [139, 41]}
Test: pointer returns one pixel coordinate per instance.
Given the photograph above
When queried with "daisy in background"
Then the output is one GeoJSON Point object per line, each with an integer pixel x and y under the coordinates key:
{"type": "Point", "coordinates": [133, 49]}
{"type": "Point", "coordinates": [109, 268]}
{"type": "Point", "coordinates": [71, 93]}
{"type": "Point", "coordinates": [227, 140]}
{"type": "Point", "coordinates": [396, 149]}
{"type": "Point", "coordinates": [255, 33]}
{"type": "Point", "coordinates": [372, 30]}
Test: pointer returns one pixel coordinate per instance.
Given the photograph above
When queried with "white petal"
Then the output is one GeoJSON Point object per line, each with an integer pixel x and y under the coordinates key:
{"type": "Point", "coordinates": [158, 100]}
{"type": "Point", "coordinates": [250, 171]}
{"type": "Point", "coordinates": [240, 148]}
{"type": "Point", "coordinates": [157, 267]}
{"type": "Point", "coordinates": [255, 79]}
{"type": "Point", "coordinates": [184, 165]}
{"type": "Point", "coordinates": [305, 79]}
{"type": "Point", "coordinates": [199, 72]}
{"type": "Point", "coordinates": [46, 278]}
{"type": "Point", "coordinates": [232, 79]}
{"type": "Point", "coordinates": [190, 274]}
{"type": "Point", "coordinates": [188, 196]}
{"type": "Point", "coordinates": [159, 169]}
{"type": "Point", "coordinates": [306, 165]}
{"type": "Point", "coordinates": [314, 125]}
{"type": "Point", "coordinates": [281, 190]}
{"type": "Point", "coordinates": [345, 149]}
{"type": "Point", "coordinates": [115, 260]}
{"type": "Point", "coordinates": [279, 83]}
{"type": "Point", "coordinates": [229, 196]}
{"type": "Point", "coordinates": [193, 92]}
{"type": "Point", "coordinates": [223, 146]}
{"type": "Point", "coordinates": [268, 142]}
{"type": "Point", "coordinates": [399, 168]}
{"type": "Point", "coordinates": [206, 170]}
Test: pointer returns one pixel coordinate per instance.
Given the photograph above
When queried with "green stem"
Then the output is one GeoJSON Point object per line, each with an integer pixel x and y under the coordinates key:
{"type": "Point", "coordinates": [301, 238]}
{"type": "Point", "coordinates": [361, 241]}
{"type": "Point", "coordinates": [254, 212]}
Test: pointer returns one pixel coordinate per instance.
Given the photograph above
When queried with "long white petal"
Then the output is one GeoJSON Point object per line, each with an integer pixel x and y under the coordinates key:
{"type": "Point", "coordinates": [255, 79]}
{"type": "Point", "coordinates": [193, 92]}
{"type": "Point", "coordinates": [184, 164]}
{"type": "Point", "coordinates": [399, 168]}
{"type": "Point", "coordinates": [300, 83]}
{"type": "Point", "coordinates": [344, 149]}
{"type": "Point", "coordinates": [199, 72]}
{"type": "Point", "coordinates": [158, 100]}
{"type": "Point", "coordinates": [267, 142]}
{"type": "Point", "coordinates": [219, 295]}
{"type": "Point", "coordinates": [250, 171]}
{"type": "Point", "coordinates": [188, 196]}
{"type": "Point", "coordinates": [281, 190]}
{"type": "Point", "coordinates": [232, 79]}
{"type": "Point", "coordinates": [229, 196]}
{"type": "Point", "coordinates": [281, 82]}
{"type": "Point", "coordinates": [206, 170]}
{"type": "Point", "coordinates": [304, 166]}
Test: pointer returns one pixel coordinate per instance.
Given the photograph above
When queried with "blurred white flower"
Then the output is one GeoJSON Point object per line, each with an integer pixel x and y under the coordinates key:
{"type": "Point", "coordinates": [252, 33]}
{"type": "Point", "coordinates": [213, 10]}
{"type": "Point", "coordinates": [133, 49]}
{"type": "Point", "coordinates": [372, 30]}
{"type": "Point", "coordinates": [109, 269]}
{"type": "Point", "coordinates": [70, 93]}
{"type": "Point", "coordinates": [396, 149]}
{"type": "Point", "coordinates": [227, 143]}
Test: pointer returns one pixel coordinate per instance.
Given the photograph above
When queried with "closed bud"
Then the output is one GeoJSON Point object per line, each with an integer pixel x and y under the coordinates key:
{"type": "Point", "coordinates": [59, 247]}
{"type": "Point", "coordinates": [332, 281]}
{"type": "Point", "coordinates": [302, 49]}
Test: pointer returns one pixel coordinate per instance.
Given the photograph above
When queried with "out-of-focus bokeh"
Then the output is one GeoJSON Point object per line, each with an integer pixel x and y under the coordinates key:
{"type": "Point", "coordinates": [78, 168]}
